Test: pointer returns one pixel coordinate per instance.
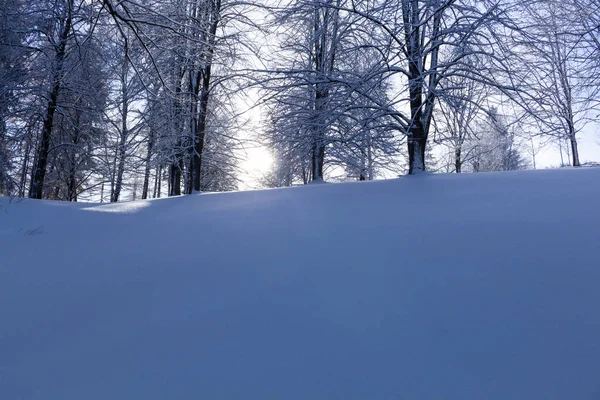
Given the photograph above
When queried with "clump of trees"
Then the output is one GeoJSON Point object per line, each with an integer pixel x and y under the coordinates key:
{"type": "Point", "coordinates": [117, 100]}
{"type": "Point", "coordinates": [110, 100]}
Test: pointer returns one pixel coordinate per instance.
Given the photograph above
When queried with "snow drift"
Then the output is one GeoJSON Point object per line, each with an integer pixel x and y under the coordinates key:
{"type": "Point", "coordinates": [437, 287]}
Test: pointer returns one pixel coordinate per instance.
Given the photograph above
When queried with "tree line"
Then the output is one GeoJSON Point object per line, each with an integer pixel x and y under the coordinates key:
{"type": "Point", "coordinates": [112, 100]}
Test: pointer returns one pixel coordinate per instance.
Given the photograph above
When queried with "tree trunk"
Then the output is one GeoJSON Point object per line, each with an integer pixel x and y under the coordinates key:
{"type": "Point", "coordinates": [124, 127]}
{"type": "Point", "coordinates": [305, 174]}
{"type": "Point", "coordinates": [417, 143]}
{"type": "Point", "coordinates": [574, 150]}
{"type": "Point", "coordinates": [72, 179]}
{"type": "Point", "coordinates": [148, 166]}
{"type": "Point", "coordinates": [318, 158]}
{"type": "Point", "coordinates": [169, 183]}
{"type": "Point", "coordinates": [200, 134]}
{"type": "Point", "coordinates": [157, 181]}
{"type": "Point", "coordinates": [113, 172]}
{"type": "Point", "coordinates": [39, 170]}
{"type": "Point", "coordinates": [417, 139]}
{"type": "Point", "coordinates": [25, 167]}
{"type": "Point", "coordinates": [177, 164]}
{"type": "Point", "coordinates": [160, 177]}
{"type": "Point", "coordinates": [533, 152]}
{"type": "Point", "coordinates": [72, 187]}
{"type": "Point", "coordinates": [318, 144]}
{"type": "Point", "coordinates": [175, 178]}
{"type": "Point", "coordinates": [56, 195]}
{"type": "Point", "coordinates": [370, 173]}
{"type": "Point", "coordinates": [421, 103]}
{"type": "Point", "coordinates": [326, 25]}
{"type": "Point", "coordinates": [200, 131]}
{"type": "Point", "coordinates": [458, 159]}
{"type": "Point", "coordinates": [72, 158]}
{"type": "Point", "coordinates": [121, 168]}
{"type": "Point", "coordinates": [134, 191]}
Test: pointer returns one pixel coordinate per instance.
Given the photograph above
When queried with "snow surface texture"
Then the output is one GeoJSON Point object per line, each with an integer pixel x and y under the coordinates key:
{"type": "Point", "coordinates": [479, 286]}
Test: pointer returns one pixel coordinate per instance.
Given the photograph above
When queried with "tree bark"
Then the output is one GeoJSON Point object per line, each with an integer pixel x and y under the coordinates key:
{"type": "Point", "coordinates": [421, 105]}
{"type": "Point", "coordinates": [206, 73]}
{"type": "Point", "coordinates": [72, 179]}
{"type": "Point", "coordinates": [416, 135]}
{"type": "Point", "coordinates": [416, 154]}
{"type": "Point", "coordinates": [148, 165]}
{"type": "Point", "coordinates": [36, 188]}
{"type": "Point", "coordinates": [458, 159]}
{"type": "Point", "coordinates": [155, 190]}
{"type": "Point", "coordinates": [175, 170]}
{"type": "Point", "coordinates": [25, 167]}
{"type": "Point", "coordinates": [318, 158]}
{"type": "Point", "coordinates": [326, 25]}
{"type": "Point", "coordinates": [124, 126]}
{"type": "Point", "coordinates": [574, 148]}
{"type": "Point", "coordinates": [200, 134]}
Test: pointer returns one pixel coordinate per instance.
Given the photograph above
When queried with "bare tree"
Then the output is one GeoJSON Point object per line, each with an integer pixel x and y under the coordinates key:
{"type": "Point", "coordinates": [192, 46]}
{"type": "Point", "coordinates": [422, 44]}
{"type": "Point", "coordinates": [560, 92]}
{"type": "Point", "coordinates": [321, 98]}
{"type": "Point", "coordinates": [63, 25]}
{"type": "Point", "coordinates": [460, 109]}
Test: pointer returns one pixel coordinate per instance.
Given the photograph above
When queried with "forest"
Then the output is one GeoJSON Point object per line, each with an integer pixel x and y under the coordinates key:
{"type": "Point", "coordinates": [106, 100]}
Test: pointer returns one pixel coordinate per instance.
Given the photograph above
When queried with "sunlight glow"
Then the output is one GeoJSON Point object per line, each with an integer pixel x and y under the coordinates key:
{"type": "Point", "coordinates": [257, 163]}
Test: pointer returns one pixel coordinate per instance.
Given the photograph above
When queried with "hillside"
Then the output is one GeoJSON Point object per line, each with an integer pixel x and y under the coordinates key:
{"type": "Point", "coordinates": [435, 287]}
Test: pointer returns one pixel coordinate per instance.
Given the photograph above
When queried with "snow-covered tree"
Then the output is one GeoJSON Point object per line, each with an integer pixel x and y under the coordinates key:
{"type": "Point", "coordinates": [424, 43]}
{"type": "Point", "coordinates": [560, 90]}
{"type": "Point", "coordinates": [494, 147]}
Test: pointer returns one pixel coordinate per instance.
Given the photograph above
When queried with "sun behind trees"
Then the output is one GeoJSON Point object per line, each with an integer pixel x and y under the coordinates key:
{"type": "Point", "coordinates": [108, 101]}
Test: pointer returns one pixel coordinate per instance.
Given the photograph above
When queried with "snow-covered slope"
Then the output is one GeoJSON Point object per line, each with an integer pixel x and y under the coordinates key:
{"type": "Point", "coordinates": [437, 287]}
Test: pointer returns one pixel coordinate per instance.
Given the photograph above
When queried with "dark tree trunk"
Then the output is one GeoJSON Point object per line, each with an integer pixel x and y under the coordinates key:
{"type": "Point", "coordinates": [169, 183]}
{"type": "Point", "coordinates": [200, 134]}
{"type": "Point", "coordinates": [194, 88]}
{"type": "Point", "coordinates": [24, 168]}
{"type": "Point", "coordinates": [124, 127]}
{"type": "Point", "coordinates": [325, 30]}
{"type": "Point", "coordinates": [417, 139]}
{"type": "Point", "coordinates": [120, 170]}
{"type": "Point", "coordinates": [318, 144]}
{"type": "Point", "coordinates": [305, 174]}
{"type": "Point", "coordinates": [160, 177]}
{"type": "Point", "coordinates": [72, 179]}
{"type": "Point", "coordinates": [458, 159]}
{"type": "Point", "coordinates": [318, 159]}
{"type": "Point", "coordinates": [36, 188]}
{"type": "Point", "coordinates": [157, 181]}
{"type": "Point", "coordinates": [416, 151]}
{"type": "Point", "coordinates": [72, 187]}
{"type": "Point", "coordinates": [175, 170]}
{"type": "Point", "coordinates": [200, 129]}
{"type": "Point", "coordinates": [421, 103]}
{"type": "Point", "coordinates": [177, 164]}
{"type": "Point", "coordinates": [148, 166]}
{"type": "Point", "coordinates": [574, 147]}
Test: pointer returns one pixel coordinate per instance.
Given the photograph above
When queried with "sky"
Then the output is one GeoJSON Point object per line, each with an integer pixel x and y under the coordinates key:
{"type": "Point", "coordinates": [588, 145]}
